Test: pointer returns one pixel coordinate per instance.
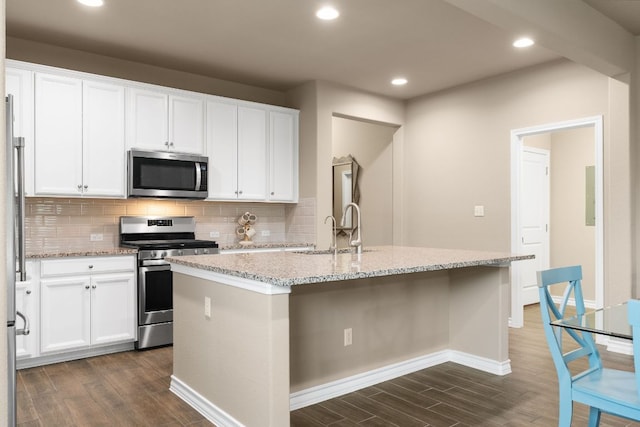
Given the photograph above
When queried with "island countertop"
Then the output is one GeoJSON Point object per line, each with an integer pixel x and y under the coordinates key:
{"type": "Point", "coordinates": [298, 268]}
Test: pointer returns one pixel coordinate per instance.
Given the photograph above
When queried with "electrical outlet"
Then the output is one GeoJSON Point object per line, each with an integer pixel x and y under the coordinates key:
{"type": "Point", "coordinates": [348, 337]}
{"type": "Point", "coordinates": [478, 210]}
{"type": "Point", "coordinates": [207, 307]}
{"type": "Point", "coordinates": [97, 237]}
{"type": "Point", "coordinates": [214, 234]}
{"type": "Point", "coordinates": [266, 233]}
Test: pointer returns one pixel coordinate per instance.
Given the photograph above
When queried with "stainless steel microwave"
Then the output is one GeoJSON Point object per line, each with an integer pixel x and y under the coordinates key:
{"type": "Point", "coordinates": [167, 174]}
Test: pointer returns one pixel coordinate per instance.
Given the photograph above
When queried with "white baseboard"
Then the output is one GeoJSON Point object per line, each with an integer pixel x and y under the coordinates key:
{"type": "Point", "coordinates": [330, 390]}
{"type": "Point", "coordinates": [65, 356]}
{"type": "Point", "coordinates": [320, 393]}
{"type": "Point", "coordinates": [207, 409]}
{"type": "Point", "coordinates": [618, 345]}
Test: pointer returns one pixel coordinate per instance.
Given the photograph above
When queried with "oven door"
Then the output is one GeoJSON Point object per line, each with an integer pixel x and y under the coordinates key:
{"type": "Point", "coordinates": [155, 292]}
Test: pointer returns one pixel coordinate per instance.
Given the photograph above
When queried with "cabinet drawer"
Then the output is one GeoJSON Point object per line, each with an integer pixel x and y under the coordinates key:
{"type": "Point", "coordinates": [86, 265]}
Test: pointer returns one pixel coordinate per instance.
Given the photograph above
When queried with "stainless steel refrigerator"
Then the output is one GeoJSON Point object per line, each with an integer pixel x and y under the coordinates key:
{"type": "Point", "coordinates": [14, 203]}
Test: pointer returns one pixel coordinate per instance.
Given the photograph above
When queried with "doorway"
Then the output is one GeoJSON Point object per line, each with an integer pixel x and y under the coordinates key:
{"type": "Point", "coordinates": [523, 273]}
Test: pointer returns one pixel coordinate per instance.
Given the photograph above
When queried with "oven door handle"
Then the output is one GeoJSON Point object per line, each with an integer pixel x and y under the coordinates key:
{"type": "Point", "coordinates": [156, 263]}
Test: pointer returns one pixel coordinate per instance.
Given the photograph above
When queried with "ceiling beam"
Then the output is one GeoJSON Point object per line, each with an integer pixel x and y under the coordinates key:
{"type": "Point", "coordinates": [570, 28]}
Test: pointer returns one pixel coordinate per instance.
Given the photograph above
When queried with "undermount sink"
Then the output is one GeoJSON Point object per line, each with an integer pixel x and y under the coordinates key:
{"type": "Point", "coordinates": [330, 251]}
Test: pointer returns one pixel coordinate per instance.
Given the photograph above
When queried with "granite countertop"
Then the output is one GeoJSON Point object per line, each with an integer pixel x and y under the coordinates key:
{"type": "Point", "coordinates": [266, 245]}
{"type": "Point", "coordinates": [297, 268]}
{"type": "Point", "coordinates": [81, 252]}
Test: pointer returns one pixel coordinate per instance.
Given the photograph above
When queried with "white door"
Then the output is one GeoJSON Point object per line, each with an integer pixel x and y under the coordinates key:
{"type": "Point", "coordinates": [65, 313]}
{"type": "Point", "coordinates": [26, 303]}
{"type": "Point", "coordinates": [113, 298]}
{"type": "Point", "coordinates": [534, 219]}
{"type": "Point", "coordinates": [186, 124]}
{"type": "Point", "coordinates": [283, 156]}
{"type": "Point", "coordinates": [19, 83]}
{"type": "Point", "coordinates": [222, 150]}
{"type": "Point", "coordinates": [103, 151]}
{"type": "Point", "coordinates": [58, 135]}
{"type": "Point", "coordinates": [252, 153]}
{"type": "Point", "coordinates": [147, 119]}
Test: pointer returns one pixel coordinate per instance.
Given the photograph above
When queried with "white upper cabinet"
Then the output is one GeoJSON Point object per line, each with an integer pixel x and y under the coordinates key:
{"type": "Point", "coordinates": [103, 150]}
{"type": "Point", "coordinates": [253, 152]}
{"type": "Point", "coordinates": [79, 137]}
{"type": "Point", "coordinates": [283, 159]}
{"type": "Point", "coordinates": [222, 150]}
{"type": "Point", "coordinates": [58, 135]}
{"type": "Point", "coordinates": [162, 121]}
{"type": "Point", "coordinates": [19, 83]}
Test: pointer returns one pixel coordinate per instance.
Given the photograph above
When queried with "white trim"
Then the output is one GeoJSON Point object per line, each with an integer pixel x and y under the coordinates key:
{"type": "Point", "coordinates": [330, 390]}
{"type": "Point", "coordinates": [320, 393]}
{"type": "Point", "coordinates": [236, 282]}
{"type": "Point", "coordinates": [65, 356]}
{"type": "Point", "coordinates": [572, 302]}
{"type": "Point", "coordinates": [207, 409]}
{"type": "Point", "coordinates": [517, 317]}
{"type": "Point", "coordinates": [618, 345]}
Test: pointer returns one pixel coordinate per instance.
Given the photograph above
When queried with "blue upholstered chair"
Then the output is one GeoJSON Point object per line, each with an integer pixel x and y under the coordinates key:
{"type": "Point", "coordinates": [603, 390]}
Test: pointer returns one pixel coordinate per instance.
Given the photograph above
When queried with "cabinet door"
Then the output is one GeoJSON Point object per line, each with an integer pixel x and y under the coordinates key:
{"type": "Point", "coordinates": [222, 150]}
{"type": "Point", "coordinates": [186, 124]}
{"type": "Point", "coordinates": [283, 155]}
{"type": "Point", "coordinates": [27, 304]}
{"type": "Point", "coordinates": [65, 313]}
{"type": "Point", "coordinates": [58, 135]}
{"type": "Point", "coordinates": [103, 151]}
{"type": "Point", "coordinates": [19, 83]}
{"type": "Point", "coordinates": [147, 119]}
{"type": "Point", "coordinates": [252, 153]}
{"type": "Point", "coordinates": [113, 308]}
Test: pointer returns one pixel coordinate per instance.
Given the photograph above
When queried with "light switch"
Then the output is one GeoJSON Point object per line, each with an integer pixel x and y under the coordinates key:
{"type": "Point", "coordinates": [478, 210]}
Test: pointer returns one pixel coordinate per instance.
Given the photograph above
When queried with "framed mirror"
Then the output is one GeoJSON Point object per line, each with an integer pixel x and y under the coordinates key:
{"type": "Point", "coordinates": [345, 189]}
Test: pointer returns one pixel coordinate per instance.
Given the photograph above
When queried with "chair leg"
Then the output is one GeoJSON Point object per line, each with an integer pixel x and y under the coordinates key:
{"type": "Point", "coordinates": [566, 411]}
{"type": "Point", "coordinates": [594, 417]}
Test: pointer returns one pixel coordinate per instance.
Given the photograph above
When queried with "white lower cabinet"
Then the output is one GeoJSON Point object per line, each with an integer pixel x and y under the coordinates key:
{"type": "Point", "coordinates": [28, 303]}
{"type": "Point", "coordinates": [86, 302]}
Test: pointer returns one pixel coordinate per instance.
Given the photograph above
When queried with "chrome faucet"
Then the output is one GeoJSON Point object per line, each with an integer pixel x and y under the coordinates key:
{"type": "Point", "coordinates": [334, 232]}
{"type": "Point", "coordinates": [357, 243]}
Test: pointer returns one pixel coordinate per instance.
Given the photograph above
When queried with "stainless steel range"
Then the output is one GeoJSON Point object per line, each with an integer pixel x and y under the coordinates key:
{"type": "Point", "coordinates": [157, 238]}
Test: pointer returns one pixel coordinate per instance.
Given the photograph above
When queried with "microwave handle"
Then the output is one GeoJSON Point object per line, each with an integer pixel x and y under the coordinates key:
{"type": "Point", "coordinates": [198, 176]}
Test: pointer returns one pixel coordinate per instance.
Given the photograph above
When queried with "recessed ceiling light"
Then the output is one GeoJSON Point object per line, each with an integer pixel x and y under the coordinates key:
{"type": "Point", "coordinates": [399, 81]}
{"type": "Point", "coordinates": [92, 3]}
{"type": "Point", "coordinates": [523, 42]}
{"type": "Point", "coordinates": [327, 13]}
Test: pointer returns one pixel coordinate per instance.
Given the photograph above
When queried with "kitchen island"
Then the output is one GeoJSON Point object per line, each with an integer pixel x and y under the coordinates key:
{"type": "Point", "coordinates": [256, 335]}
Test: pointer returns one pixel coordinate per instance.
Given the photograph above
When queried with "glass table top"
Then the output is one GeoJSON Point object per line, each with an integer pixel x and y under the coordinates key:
{"type": "Point", "coordinates": [610, 321]}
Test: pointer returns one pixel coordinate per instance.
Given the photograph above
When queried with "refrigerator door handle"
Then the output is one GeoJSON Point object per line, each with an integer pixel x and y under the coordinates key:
{"type": "Point", "coordinates": [26, 330]}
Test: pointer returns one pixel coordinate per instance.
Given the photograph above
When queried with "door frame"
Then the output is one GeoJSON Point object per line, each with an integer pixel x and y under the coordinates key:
{"type": "Point", "coordinates": [517, 316]}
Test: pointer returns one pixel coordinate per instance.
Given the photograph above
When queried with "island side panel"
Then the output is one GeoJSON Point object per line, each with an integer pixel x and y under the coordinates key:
{"type": "Point", "coordinates": [393, 319]}
{"type": "Point", "coordinates": [239, 358]}
{"type": "Point", "coordinates": [480, 312]}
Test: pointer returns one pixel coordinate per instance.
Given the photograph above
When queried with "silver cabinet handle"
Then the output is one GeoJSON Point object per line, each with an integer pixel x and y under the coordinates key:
{"type": "Point", "coordinates": [28, 292]}
{"type": "Point", "coordinates": [90, 266]}
{"type": "Point", "coordinates": [86, 286]}
{"type": "Point", "coordinates": [94, 286]}
{"type": "Point", "coordinates": [26, 329]}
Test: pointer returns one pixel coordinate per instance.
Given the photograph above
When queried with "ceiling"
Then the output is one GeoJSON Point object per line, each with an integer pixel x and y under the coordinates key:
{"type": "Point", "coordinates": [280, 44]}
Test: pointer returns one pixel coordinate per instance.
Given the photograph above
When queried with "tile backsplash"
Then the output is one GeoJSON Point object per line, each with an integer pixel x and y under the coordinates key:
{"type": "Point", "coordinates": [54, 224]}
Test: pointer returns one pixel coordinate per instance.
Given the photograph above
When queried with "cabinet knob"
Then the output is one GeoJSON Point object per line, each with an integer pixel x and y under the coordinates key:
{"type": "Point", "coordinates": [272, 193]}
{"type": "Point", "coordinates": [240, 192]}
{"type": "Point", "coordinates": [94, 286]}
{"type": "Point", "coordinates": [28, 292]}
{"type": "Point", "coordinates": [85, 186]}
{"type": "Point", "coordinates": [90, 266]}
{"type": "Point", "coordinates": [80, 187]}
{"type": "Point", "coordinates": [86, 286]}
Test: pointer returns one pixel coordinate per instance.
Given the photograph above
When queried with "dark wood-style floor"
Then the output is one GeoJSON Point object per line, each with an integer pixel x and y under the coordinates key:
{"type": "Point", "coordinates": [131, 389]}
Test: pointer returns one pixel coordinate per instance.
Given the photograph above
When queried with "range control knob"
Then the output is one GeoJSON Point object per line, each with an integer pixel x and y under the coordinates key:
{"type": "Point", "coordinates": [195, 252]}
{"type": "Point", "coordinates": [206, 251]}
{"type": "Point", "coordinates": [164, 254]}
{"type": "Point", "coordinates": [180, 251]}
{"type": "Point", "coordinates": [153, 254]}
